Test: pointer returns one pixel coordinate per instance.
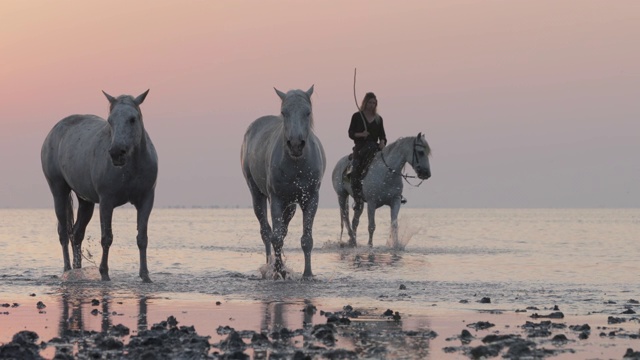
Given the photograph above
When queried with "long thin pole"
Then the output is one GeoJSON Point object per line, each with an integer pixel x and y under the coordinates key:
{"type": "Point", "coordinates": [355, 98]}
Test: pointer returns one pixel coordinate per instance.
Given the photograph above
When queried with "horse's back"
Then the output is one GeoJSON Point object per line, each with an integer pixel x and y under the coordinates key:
{"type": "Point", "coordinates": [68, 135]}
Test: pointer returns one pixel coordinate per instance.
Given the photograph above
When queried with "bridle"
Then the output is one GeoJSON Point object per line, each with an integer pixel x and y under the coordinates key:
{"type": "Point", "coordinates": [414, 160]}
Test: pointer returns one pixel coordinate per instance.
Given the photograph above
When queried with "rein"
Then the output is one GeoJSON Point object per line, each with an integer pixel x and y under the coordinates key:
{"type": "Point", "coordinates": [404, 176]}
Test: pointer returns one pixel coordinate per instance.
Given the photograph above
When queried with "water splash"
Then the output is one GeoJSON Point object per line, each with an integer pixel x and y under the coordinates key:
{"type": "Point", "coordinates": [268, 270]}
{"type": "Point", "coordinates": [406, 230]}
{"type": "Point", "coordinates": [89, 273]}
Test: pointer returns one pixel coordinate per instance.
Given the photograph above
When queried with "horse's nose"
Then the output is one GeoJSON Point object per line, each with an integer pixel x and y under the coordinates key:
{"type": "Point", "coordinates": [295, 147]}
{"type": "Point", "coordinates": [117, 155]}
{"type": "Point", "coordinates": [423, 173]}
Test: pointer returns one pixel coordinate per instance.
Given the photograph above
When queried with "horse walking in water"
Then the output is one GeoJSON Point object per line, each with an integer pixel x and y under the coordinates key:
{"type": "Point", "coordinates": [382, 184]}
{"type": "Point", "coordinates": [107, 162]}
{"type": "Point", "coordinates": [283, 163]}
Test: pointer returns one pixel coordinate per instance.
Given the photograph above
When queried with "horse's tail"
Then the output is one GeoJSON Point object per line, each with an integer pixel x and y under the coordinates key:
{"type": "Point", "coordinates": [69, 210]}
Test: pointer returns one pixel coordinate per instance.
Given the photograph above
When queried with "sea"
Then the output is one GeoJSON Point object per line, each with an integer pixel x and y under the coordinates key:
{"type": "Point", "coordinates": [447, 262]}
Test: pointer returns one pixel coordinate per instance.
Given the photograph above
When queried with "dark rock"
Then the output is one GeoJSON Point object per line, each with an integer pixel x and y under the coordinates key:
{"type": "Point", "coordinates": [334, 319]}
{"type": "Point", "coordinates": [119, 330]}
{"type": "Point", "coordinates": [465, 336]}
{"type": "Point", "coordinates": [496, 338]}
{"type": "Point", "coordinates": [260, 340]}
{"type": "Point", "coordinates": [481, 325]}
{"type": "Point", "coordinates": [485, 300]}
{"type": "Point", "coordinates": [224, 330]}
{"type": "Point", "coordinates": [485, 351]}
{"type": "Point", "coordinates": [233, 343]}
{"type": "Point", "coordinates": [560, 338]}
{"type": "Point", "coordinates": [584, 327]}
{"type": "Point", "coordinates": [324, 333]}
{"type": "Point", "coordinates": [22, 346]}
{"type": "Point", "coordinates": [554, 315]}
{"type": "Point", "coordinates": [630, 354]}
{"type": "Point", "coordinates": [615, 320]}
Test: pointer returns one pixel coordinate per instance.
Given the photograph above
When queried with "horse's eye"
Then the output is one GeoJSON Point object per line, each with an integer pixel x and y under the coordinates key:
{"type": "Point", "coordinates": [132, 120]}
{"type": "Point", "coordinates": [420, 152]}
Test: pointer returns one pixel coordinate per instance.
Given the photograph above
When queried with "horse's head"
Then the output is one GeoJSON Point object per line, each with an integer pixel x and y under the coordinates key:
{"type": "Point", "coordinates": [125, 122]}
{"type": "Point", "coordinates": [420, 157]}
{"type": "Point", "coordinates": [298, 119]}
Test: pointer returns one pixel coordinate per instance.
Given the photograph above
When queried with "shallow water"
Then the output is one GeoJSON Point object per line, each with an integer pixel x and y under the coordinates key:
{"type": "Point", "coordinates": [584, 260]}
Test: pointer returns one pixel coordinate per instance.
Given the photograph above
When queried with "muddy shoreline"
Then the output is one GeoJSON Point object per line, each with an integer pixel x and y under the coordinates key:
{"type": "Point", "coordinates": [168, 327]}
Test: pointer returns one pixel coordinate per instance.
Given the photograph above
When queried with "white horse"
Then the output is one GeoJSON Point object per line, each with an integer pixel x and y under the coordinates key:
{"type": "Point", "coordinates": [283, 162]}
{"type": "Point", "coordinates": [109, 162]}
{"type": "Point", "coordinates": [382, 184]}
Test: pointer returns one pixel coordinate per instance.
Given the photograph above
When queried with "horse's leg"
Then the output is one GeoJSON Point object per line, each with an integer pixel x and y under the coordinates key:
{"type": "Point", "coordinates": [85, 212]}
{"type": "Point", "coordinates": [309, 209]}
{"type": "Point", "coordinates": [357, 212]}
{"type": "Point", "coordinates": [395, 209]}
{"type": "Point", "coordinates": [260, 209]}
{"type": "Point", "coordinates": [106, 215]}
{"type": "Point", "coordinates": [144, 210]}
{"type": "Point", "coordinates": [343, 201]}
{"type": "Point", "coordinates": [371, 213]}
{"type": "Point", "coordinates": [279, 230]}
{"type": "Point", "coordinates": [287, 215]}
{"type": "Point", "coordinates": [64, 213]}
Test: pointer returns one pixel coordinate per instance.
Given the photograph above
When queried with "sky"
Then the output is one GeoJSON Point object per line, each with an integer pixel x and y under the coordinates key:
{"type": "Point", "coordinates": [525, 104]}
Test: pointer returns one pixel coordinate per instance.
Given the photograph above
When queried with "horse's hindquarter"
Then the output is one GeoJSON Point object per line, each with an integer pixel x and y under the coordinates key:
{"type": "Point", "coordinates": [68, 153]}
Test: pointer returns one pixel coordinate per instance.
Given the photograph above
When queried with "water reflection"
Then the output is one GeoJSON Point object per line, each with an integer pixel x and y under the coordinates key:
{"type": "Point", "coordinates": [76, 303]}
{"type": "Point", "coordinates": [371, 259]}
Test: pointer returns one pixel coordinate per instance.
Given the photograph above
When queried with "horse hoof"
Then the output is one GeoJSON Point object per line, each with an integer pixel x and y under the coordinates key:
{"type": "Point", "coordinates": [309, 277]}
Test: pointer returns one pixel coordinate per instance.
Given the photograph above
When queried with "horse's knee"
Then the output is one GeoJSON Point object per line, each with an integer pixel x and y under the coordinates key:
{"type": "Point", "coordinates": [106, 240]}
{"type": "Point", "coordinates": [142, 241]}
{"type": "Point", "coordinates": [307, 243]}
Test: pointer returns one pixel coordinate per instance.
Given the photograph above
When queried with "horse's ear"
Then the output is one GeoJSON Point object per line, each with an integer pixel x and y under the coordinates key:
{"type": "Point", "coordinates": [280, 93]}
{"type": "Point", "coordinates": [420, 135]}
{"type": "Point", "coordinates": [310, 91]}
{"type": "Point", "coordinates": [109, 97]}
{"type": "Point", "coordinates": [141, 97]}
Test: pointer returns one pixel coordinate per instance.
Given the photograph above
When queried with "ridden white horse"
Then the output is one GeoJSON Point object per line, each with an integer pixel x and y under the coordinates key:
{"type": "Point", "coordinates": [109, 162]}
{"type": "Point", "coordinates": [382, 184]}
{"type": "Point", "coordinates": [283, 163]}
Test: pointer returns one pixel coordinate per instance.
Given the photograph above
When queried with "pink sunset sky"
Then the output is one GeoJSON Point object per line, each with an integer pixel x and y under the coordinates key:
{"type": "Point", "coordinates": [524, 103]}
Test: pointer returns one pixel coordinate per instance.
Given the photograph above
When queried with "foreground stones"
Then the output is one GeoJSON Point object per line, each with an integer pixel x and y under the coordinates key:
{"type": "Point", "coordinates": [169, 340]}
{"type": "Point", "coordinates": [347, 334]}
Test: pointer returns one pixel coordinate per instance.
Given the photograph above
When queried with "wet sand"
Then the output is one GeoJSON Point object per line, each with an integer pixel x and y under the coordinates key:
{"type": "Point", "coordinates": [90, 321]}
